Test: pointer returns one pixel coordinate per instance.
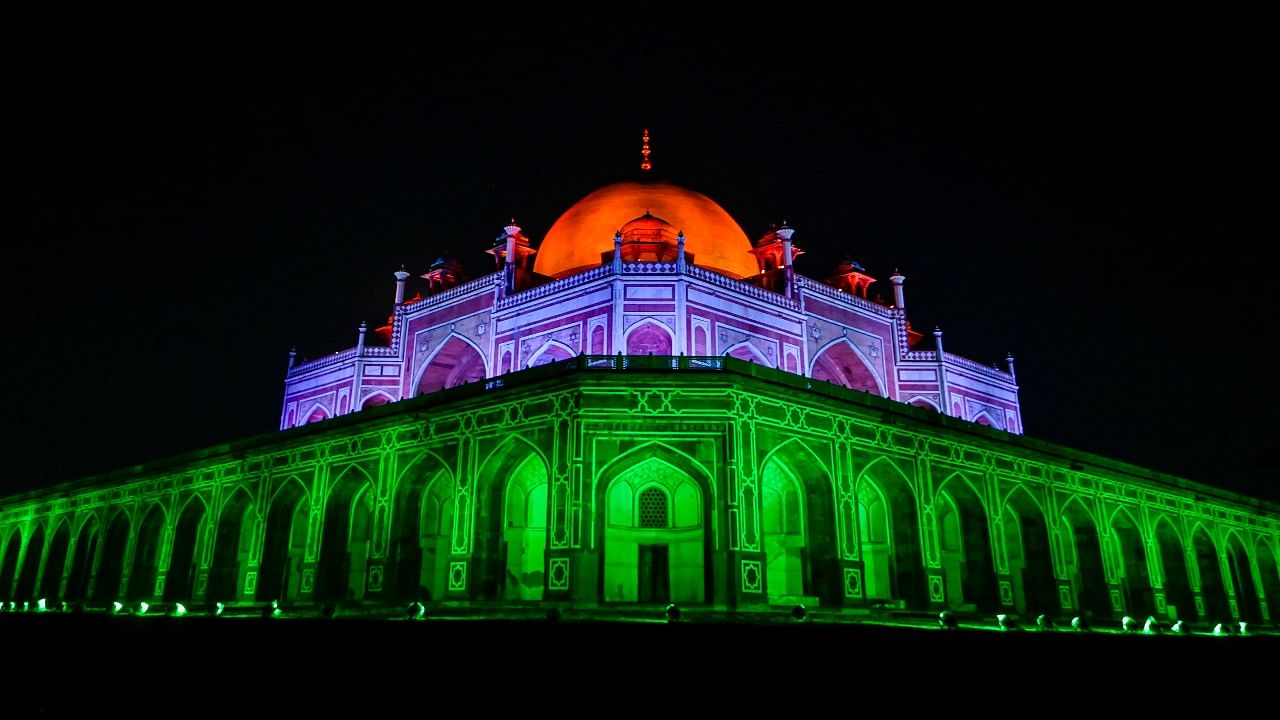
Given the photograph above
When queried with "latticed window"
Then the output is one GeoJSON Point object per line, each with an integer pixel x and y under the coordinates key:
{"type": "Point", "coordinates": [653, 508]}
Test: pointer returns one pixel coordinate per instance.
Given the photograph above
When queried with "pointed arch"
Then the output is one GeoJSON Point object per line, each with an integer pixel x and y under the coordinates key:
{"type": "Point", "coordinates": [1242, 581]}
{"type": "Point", "coordinates": [1269, 573]}
{"type": "Point", "coordinates": [1131, 563]}
{"type": "Point", "coordinates": [30, 570]}
{"type": "Point", "coordinates": [1082, 553]}
{"type": "Point", "coordinates": [649, 337]}
{"type": "Point", "coordinates": [1030, 559]}
{"type": "Point", "coordinates": [112, 567]}
{"type": "Point", "coordinates": [923, 403]}
{"type": "Point", "coordinates": [179, 583]}
{"type": "Point", "coordinates": [799, 525]}
{"type": "Point", "coordinates": [56, 561]}
{"type": "Point", "coordinates": [1213, 593]}
{"type": "Point", "coordinates": [984, 418]}
{"type": "Point", "coordinates": [551, 351]}
{"type": "Point", "coordinates": [232, 546]}
{"type": "Point", "coordinates": [318, 412]}
{"type": "Point", "coordinates": [510, 554]}
{"type": "Point", "coordinates": [890, 535]}
{"type": "Point", "coordinates": [284, 545]}
{"type": "Point", "coordinates": [146, 553]}
{"type": "Point", "coordinates": [422, 524]}
{"type": "Point", "coordinates": [347, 534]}
{"type": "Point", "coordinates": [964, 525]}
{"type": "Point", "coordinates": [840, 362]}
{"type": "Point", "coordinates": [1179, 600]}
{"type": "Point", "coordinates": [456, 360]}
{"type": "Point", "coordinates": [84, 558]}
{"type": "Point", "coordinates": [747, 352]}
{"type": "Point", "coordinates": [9, 563]}
{"type": "Point", "coordinates": [376, 399]}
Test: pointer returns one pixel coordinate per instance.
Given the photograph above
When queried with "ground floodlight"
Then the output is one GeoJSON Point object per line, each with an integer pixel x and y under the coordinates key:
{"type": "Point", "coordinates": [415, 611]}
{"type": "Point", "coordinates": [328, 610]}
{"type": "Point", "coordinates": [117, 607]}
{"type": "Point", "coordinates": [673, 613]}
{"type": "Point", "coordinates": [1244, 627]}
{"type": "Point", "coordinates": [947, 620]}
{"type": "Point", "coordinates": [1128, 624]}
{"type": "Point", "coordinates": [271, 609]}
{"type": "Point", "coordinates": [1152, 626]}
{"type": "Point", "coordinates": [179, 610]}
{"type": "Point", "coordinates": [1079, 623]}
{"type": "Point", "coordinates": [143, 607]}
{"type": "Point", "coordinates": [62, 606]}
{"type": "Point", "coordinates": [1222, 629]}
{"type": "Point", "coordinates": [41, 605]}
{"type": "Point", "coordinates": [1007, 622]}
{"type": "Point", "coordinates": [1044, 622]}
{"type": "Point", "coordinates": [218, 607]}
{"type": "Point", "coordinates": [799, 613]}
{"type": "Point", "coordinates": [26, 606]}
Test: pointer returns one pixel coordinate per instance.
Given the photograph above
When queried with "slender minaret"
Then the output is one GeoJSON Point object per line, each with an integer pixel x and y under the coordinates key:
{"type": "Point", "coordinates": [293, 357]}
{"type": "Point", "coordinates": [899, 300]}
{"type": "Point", "coordinates": [645, 165]}
{"type": "Point", "coordinates": [942, 373]}
{"type": "Point", "coordinates": [785, 232]}
{"type": "Point", "coordinates": [1008, 359]}
{"type": "Point", "coordinates": [617, 252]}
{"type": "Point", "coordinates": [401, 276]}
{"type": "Point", "coordinates": [680, 251]}
{"type": "Point", "coordinates": [364, 328]}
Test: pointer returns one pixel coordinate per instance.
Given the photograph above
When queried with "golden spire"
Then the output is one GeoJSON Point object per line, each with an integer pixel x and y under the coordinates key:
{"type": "Point", "coordinates": [645, 165]}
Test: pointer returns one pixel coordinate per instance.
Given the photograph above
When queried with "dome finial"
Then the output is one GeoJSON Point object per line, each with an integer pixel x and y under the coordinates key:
{"type": "Point", "coordinates": [645, 165]}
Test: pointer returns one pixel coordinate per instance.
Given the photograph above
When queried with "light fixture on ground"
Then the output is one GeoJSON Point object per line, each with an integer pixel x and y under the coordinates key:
{"type": "Point", "coordinates": [1244, 627]}
{"type": "Point", "coordinates": [117, 607]}
{"type": "Point", "coordinates": [1007, 622]}
{"type": "Point", "coordinates": [271, 610]}
{"type": "Point", "coordinates": [947, 620]}
{"type": "Point", "coordinates": [415, 611]}
{"type": "Point", "coordinates": [143, 607]}
{"type": "Point", "coordinates": [179, 610]}
{"type": "Point", "coordinates": [673, 613]}
{"type": "Point", "coordinates": [1222, 629]}
{"type": "Point", "coordinates": [1080, 623]}
{"type": "Point", "coordinates": [1044, 622]}
{"type": "Point", "coordinates": [1181, 628]}
{"type": "Point", "coordinates": [799, 613]}
{"type": "Point", "coordinates": [40, 605]}
{"type": "Point", "coordinates": [1152, 626]}
{"type": "Point", "coordinates": [1128, 624]}
{"type": "Point", "coordinates": [218, 607]}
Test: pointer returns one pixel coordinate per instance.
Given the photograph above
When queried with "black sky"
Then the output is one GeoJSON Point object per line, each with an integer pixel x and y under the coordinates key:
{"type": "Point", "coordinates": [194, 195]}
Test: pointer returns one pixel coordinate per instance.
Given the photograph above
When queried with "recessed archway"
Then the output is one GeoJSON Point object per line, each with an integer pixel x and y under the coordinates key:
{"type": "Point", "coordinates": [1131, 565]}
{"type": "Point", "coordinates": [1212, 591]}
{"type": "Point", "coordinates": [55, 564]}
{"type": "Point", "coordinates": [146, 555]}
{"type": "Point", "coordinates": [889, 533]}
{"type": "Point", "coordinates": [1179, 600]}
{"type": "Point", "coordinates": [799, 527]}
{"type": "Point", "coordinates": [1270, 575]}
{"type": "Point", "coordinates": [969, 578]}
{"type": "Point", "coordinates": [83, 560]}
{"type": "Point", "coordinates": [232, 546]}
{"type": "Point", "coordinates": [9, 564]}
{"type": "Point", "coordinates": [422, 529]}
{"type": "Point", "coordinates": [840, 363]}
{"type": "Point", "coordinates": [345, 544]}
{"type": "Point", "coordinates": [285, 545]}
{"type": "Point", "coordinates": [106, 586]}
{"type": "Point", "coordinates": [1242, 580]}
{"type": "Point", "coordinates": [1035, 590]}
{"type": "Point", "coordinates": [26, 587]}
{"type": "Point", "coordinates": [455, 362]}
{"type": "Point", "coordinates": [1083, 556]}
{"type": "Point", "coordinates": [649, 337]}
{"type": "Point", "coordinates": [179, 583]}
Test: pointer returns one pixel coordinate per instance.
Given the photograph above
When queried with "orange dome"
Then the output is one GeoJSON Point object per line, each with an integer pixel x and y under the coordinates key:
{"type": "Point", "coordinates": [577, 239]}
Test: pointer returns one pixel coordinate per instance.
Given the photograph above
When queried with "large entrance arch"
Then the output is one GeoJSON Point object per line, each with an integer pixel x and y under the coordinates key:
{"type": "Point", "coordinates": [1212, 591]}
{"type": "Point", "coordinates": [285, 546]}
{"type": "Point", "coordinates": [653, 536]}
{"type": "Point", "coordinates": [969, 579]}
{"type": "Point", "coordinates": [839, 364]}
{"type": "Point", "coordinates": [1131, 555]}
{"type": "Point", "coordinates": [511, 524]}
{"type": "Point", "coordinates": [1179, 600]}
{"type": "Point", "coordinates": [457, 362]}
{"type": "Point", "coordinates": [1083, 556]}
{"type": "Point", "coordinates": [798, 522]}
{"type": "Point", "coordinates": [893, 568]}
{"type": "Point", "coordinates": [9, 564]}
{"type": "Point", "coordinates": [1270, 573]}
{"type": "Point", "coordinates": [179, 583]}
{"type": "Point", "coordinates": [1035, 590]}
{"type": "Point", "coordinates": [83, 560]}
{"type": "Point", "coordinates": [423, 529]}
{"type": "Point", "coordinates": [1242, 580]}
{"type": "Point", "coordinates": [345, 544]}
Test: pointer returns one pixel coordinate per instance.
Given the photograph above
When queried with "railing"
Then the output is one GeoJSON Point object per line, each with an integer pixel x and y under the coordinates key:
{"type": "Point", "coordinates": [754, 291]}
{"type": "Point", "coordinates": [921, 355]}
{"type": "Point", "coordinates": [485, 281]}
{"type": "Point", "coordinates": [818, 288]}
{"type": "Point", "coordinates": [339, 357]}
{"type": "Point", "coordinates": [555, 286]}
{"type": "Point", "coordinates": [957, 361]}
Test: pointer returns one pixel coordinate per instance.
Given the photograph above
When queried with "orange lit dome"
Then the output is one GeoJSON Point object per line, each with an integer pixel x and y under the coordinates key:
{"type": "Point", "coordinates": [576, 241]}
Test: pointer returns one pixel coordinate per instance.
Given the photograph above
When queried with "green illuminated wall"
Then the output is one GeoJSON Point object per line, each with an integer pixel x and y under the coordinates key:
{"type": "Point", "coordinates": [582, 481]}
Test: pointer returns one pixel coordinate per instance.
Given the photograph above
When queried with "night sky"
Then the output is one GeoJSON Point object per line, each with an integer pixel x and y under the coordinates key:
{"type": "Point", "coordinates": [194, 195]}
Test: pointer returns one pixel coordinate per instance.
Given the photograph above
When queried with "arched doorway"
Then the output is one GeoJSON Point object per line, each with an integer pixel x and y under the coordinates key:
{"type": "Point", "coordinates": [1270, 573]}
{"type": "Point", "coordinates": [839, 364]}
{"type": "Point", "coordinates": [653, 537]}
{"type": "Point", "coordinates": [889, 534]}
{"type": "Point", "coordinates": [106, 587]}
{"type": "Point", "coordinates": [510, 524]}
{"type": "Point", "coordinates": [345, 544]}
{"type": "Point", "coordinates": [649, 338]}
{"type": "Point", "coordinates": [9, 567]}
{"type": "Point", "coordinates": [1131, 565]}
{"type": "Point", "coordinates": [232, 545]}
{"type": "Point", "coordinates": [285, 546]}
{"type": "Point", "coordinates": [1242, 580]}
{"type": "Point", "coordinates": [455, 363]}
{"type": "Point", "coordinates": [1035, 591]}
{"type": "Point", "coordinates": [51, 584]}
{"type": "Point", "coordinates": [798, 522]}
{"type": "Point", "coordinates": [146, 555]}
{"type": "Point", "coordinates": [969, 578]}
{"type": "Point", "coordinates": [83, 560]}
{"type": "Point", "coordinates": [423, 530]}
{"type": "Point", "coordinates": [1083, 556]}
{"type": "Point", "coordinates": [1212, 591]}
{"type": "Point", "coordinates": [26, 588]}
{"type": "Point", "coordinates": [180, 582]}
{"type": "Point", "coordinates": [1179, 600]}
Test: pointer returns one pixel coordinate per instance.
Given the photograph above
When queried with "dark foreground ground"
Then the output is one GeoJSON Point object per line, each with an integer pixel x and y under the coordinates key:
{"type": "Point", "coordinates": [355, 667]}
